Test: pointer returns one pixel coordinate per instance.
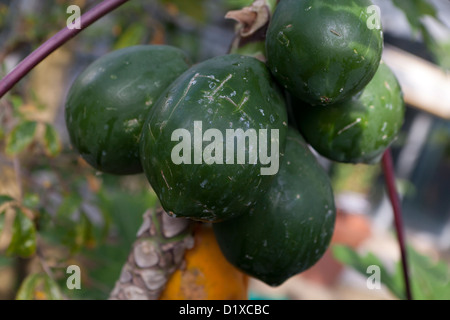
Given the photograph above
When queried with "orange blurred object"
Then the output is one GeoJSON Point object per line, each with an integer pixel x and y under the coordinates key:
{"type": "Point", "coordinates": [207, 275]}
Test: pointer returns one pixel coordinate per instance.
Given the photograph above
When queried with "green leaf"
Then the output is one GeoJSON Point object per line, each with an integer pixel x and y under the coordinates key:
{"type": "Point", "coordinates": [75, 230]}
{"type": "Point", "coordinates": [360, 263]}
{"type": "Point", "coordinates": [68, 207]}
{"type": "Point", "coordinates": [415, 10]}
{"type": "Point", "coordinates": [26, 290]}
{"type": "Point", "coordinates": [31, 200]}
{"type": "Point", "coordinates": [430, 281]}
{"type": "Point", "coordinates": [194, 9]}
{"type": "Point", "coordinates": [439, 49]}
{"type": "Point", "coordinates": [5, 199]}
{"type": "Point", "coordinates": [52, 143]}
{"type": "Point", "coordinates": [81, 235]}
{"type": "Point", "coordinates": [38, 286]}
{"type": "Point", "coordinates": [237, 4]}
{"type": "Point", "coordinates": [23, 241]}
{"type": "Point", "coordinates": [2, 221]}
{"type": "Point", "coordinates": [20, 137]}
{"type": "Point", "coordinates": [17, 102]}
{"type": "Point", "coordinates": [6, 261]}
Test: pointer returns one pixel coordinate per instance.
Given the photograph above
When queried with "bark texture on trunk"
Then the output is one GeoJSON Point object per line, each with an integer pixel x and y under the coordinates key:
{"type": "Point", "coordinates": [155, 255]}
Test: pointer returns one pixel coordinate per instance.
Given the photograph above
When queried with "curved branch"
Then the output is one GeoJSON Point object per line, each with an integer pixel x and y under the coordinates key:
{"type": "Point", "coordinates": [54, 43]}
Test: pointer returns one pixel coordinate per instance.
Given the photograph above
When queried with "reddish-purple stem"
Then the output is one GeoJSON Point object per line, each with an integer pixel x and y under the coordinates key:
{"type": "Point", "coordinates": [54, 43]}
{"type": "Point", "coordinates": [389, 176]}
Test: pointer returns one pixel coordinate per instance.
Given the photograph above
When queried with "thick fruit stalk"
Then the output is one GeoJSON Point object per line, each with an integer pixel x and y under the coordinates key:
{"type": "Point", "coordinates": [251, 28]}
{"type": "Point", "coordinates": [156, 254]}
{"type": "Point", "coordinates": [168, 262]}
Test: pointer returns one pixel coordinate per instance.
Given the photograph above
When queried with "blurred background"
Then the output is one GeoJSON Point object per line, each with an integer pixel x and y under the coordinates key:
{"type": "Point", "coordinates": [90, 219]}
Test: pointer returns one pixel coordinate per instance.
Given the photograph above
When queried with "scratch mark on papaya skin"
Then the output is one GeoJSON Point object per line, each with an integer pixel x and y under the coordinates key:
{"type": "Point", "coordinates": [237, 106]}
{"type": "Point", "coordinates": [151, 132]}
{"type": "Point", "coordinates": [349, 126]}
{"type": "Point", "coordinates": [185, 92]}
{"type": "Point", "coordinates": [335, 33]}
{"type": "Point", "coordinates": [165, 180]}
{"type": "Point", "coordinates": [219, 87]}
{"type": "Point", "coordinates": [229, 100]}
{"type": "Point", "coordinates": [386, 84]}
{"type": "Point", "coordinates": [242, 103]}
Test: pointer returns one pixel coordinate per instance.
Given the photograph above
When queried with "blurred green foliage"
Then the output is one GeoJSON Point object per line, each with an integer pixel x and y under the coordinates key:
{"type": "Point", "coordinates": [70, 214]}
{"type": "Point", "coordinates": [429, 280]}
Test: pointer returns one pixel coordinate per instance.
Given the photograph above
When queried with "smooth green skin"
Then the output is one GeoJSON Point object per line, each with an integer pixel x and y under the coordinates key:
{"type": "Point", "coordinates": [322, 51]}
{"type": "Point", "coordinates": [214, 92]}
{"type": "Point", "coordinates": [358, 130]}
{"type": "Point", "coordinates": [108, 103]}
{"type": "Point", "coordinates": [290, 227]}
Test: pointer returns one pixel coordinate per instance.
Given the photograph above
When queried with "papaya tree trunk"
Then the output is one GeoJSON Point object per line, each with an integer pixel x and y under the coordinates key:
{"type": "Point", "coordinates": [155, 255]}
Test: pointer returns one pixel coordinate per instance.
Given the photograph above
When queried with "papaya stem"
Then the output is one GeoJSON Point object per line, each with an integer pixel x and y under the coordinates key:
{"type": "Point", "coordinates": [56, 41]}
{"type": "Point", "coordinates": [252, 23]}
{"type": "Point", "coordinates": [155, 255]}
{"type": "Point", "coordinates": [389, 176]}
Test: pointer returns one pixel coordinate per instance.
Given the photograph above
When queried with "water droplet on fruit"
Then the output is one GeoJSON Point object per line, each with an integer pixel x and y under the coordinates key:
{"type": "Point", "coordinates": [203, 183]}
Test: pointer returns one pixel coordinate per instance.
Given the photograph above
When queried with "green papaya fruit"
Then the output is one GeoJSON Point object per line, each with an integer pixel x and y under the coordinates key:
{"type": "Point", "coordinates": [108, 102]}
{"type": "Point", "coordinates": [290, 228]}
{"type": "Point", "coordinates": [324, 51]}
{"type": "Point", "coordinates": [211, 144]}
{"type": "Point", "coordinates": [360, 129]}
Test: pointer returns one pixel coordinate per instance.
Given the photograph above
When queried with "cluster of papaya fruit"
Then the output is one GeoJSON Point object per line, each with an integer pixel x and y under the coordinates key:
{"type": "Point", "coordinates": [215, 140]}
